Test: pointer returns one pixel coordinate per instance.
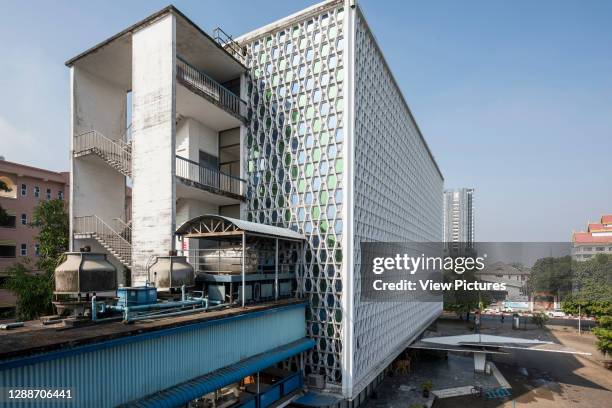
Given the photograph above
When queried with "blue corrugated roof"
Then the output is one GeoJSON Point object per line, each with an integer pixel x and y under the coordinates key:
{"type": "Point", "coordinates": [192, 389]}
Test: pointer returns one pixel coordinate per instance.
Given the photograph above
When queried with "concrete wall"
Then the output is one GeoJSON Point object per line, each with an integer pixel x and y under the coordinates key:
{"type": "Point", "coordinates": [193, 136]}
{"type": "Point", "coordinates": [153, 133]}
{"type": "Point", "coordinates": [96, 188]}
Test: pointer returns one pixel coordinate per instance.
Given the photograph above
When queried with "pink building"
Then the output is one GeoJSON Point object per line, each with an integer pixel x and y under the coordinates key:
{"type": "Point", "coordinates": [29, 185]}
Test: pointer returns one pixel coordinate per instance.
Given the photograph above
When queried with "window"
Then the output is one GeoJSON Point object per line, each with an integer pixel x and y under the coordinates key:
{"type": "Point", "coordinates": [37, 249]}
{"type": "Point", "coordinates": [36, 191]}
{"type": "Point", "coordinates": [24, 250]}
{"type": "Point", "coordinates": [60, 195]}
{"type": "Point", "coordinates": [7, 251]}
{"type": "Point", "coordinates": [599, 248]}
{"type": "Point", "coordinates": [24, 190]}
{"type": "Point", "coordinates": [24, 219]}
{"type": "Point", "coordinates": [9, 222]}
{"type": "Point", "coordinates": [48, 194]}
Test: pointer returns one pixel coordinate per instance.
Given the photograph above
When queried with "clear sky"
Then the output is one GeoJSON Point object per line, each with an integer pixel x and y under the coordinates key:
{"type": "Point", "coordinates": [514, 98]}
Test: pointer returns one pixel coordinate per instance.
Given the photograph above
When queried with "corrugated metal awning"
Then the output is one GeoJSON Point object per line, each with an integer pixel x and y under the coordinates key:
{"type": "Point", "coordinates": [181, 394]}
{"type": "Point", "coordinates": [212, 225]}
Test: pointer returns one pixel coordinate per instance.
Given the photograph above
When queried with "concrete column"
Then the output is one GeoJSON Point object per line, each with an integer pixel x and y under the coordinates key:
{"type": "Point", "coordinates": [153, 134]}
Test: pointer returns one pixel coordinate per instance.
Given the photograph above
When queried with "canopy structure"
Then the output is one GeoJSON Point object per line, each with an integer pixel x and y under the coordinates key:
{"type": "Point", "coordinates": [211, 226]}
{"type": "Point", "coordinates": [221, 228]}
{"type": "Point", "coordinates": [482, 344]}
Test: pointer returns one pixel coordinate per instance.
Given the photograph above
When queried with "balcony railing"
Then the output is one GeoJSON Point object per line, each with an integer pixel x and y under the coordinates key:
{"type": "Point", "coordinates": [210, 178]}
{"type": "Point", "coordinates": [209, 88]}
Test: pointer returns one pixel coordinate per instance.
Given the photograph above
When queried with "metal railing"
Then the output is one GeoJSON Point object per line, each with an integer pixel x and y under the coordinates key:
{"type": "Point", "coordinates": [114, 151]}
{"type": "Point", "coordinates": [227, 42]}
{"type": "Point", "coordinates": [228, 261]}
{"type": "Point", "coordinates": [116, 243]}
{"type": "Point", "coordinates": [209, 177]}
{"type": "Point", "coordinates": [204, 84]}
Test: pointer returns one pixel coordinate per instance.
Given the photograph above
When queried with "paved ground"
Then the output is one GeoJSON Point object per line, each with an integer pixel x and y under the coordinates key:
{"type": "Point", "coordinates": [542, 379]}
{"type": "Point", "coordinates": [538, 379]}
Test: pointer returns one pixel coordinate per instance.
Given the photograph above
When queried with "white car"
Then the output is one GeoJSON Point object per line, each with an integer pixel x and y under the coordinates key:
{"type": "Point", "coordinates": [556, 313]}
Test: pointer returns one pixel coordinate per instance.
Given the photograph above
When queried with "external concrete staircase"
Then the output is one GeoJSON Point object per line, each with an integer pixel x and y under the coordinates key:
{"type": "Point", "coordinates": [116, 152]}
{"type": "Point", "coordinates": [116, 243]}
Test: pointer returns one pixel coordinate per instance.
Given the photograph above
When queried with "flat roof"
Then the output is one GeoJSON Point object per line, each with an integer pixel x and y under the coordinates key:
{"type": "Point", "coordinates": [34, 172]}
{"type": "Point", "coordinates": [171, 9]}
{"type": "Point", "coordinates": [35, 338]}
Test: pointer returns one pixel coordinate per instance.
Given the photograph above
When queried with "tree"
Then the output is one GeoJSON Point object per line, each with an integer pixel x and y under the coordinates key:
{"type": "Point", "coordinates": [551, 275]}
{"type": "Point", "coordinates": [604, 334]}
{"type": "Point", "coordinates": [51, 219]}
{"type": "Point", "coordinates": [592, 284]}
{"type": "Point", "coordinates": [35, 290]}
{"type": "Point", "coordinates": [539, 319]}
{"type": "Point", "coordinates": [3, 214]}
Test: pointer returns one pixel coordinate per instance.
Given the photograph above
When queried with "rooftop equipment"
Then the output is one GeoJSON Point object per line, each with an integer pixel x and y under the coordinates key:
{"type": "Point", "coordinates": [84, 272]}
{"type": "Point", "coordinates": [171, 272]}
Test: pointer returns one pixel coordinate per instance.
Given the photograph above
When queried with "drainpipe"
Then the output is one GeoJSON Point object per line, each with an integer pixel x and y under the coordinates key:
{"type": "Point", "coordinates": [94, 312]}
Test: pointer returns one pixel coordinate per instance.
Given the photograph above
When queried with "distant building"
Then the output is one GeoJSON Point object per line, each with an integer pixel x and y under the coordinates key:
{"type": "Point", "coordinates": [28, 186]}
{"type": "Point", "coordinates": [514, 278]}
{"type": "Point", "coordinates": [596, 240]}
{"type": "Point", "coordinates": [459, 219]}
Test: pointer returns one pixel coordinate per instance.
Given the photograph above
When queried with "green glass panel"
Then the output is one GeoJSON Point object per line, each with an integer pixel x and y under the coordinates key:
{"type": "Point", "coordinates": [294, 172]}
{"type": "Point", "coordinates": [301, 186]}
{"type": "Point", "coordinates": [324, 197]}
{"type": "Point", "coordinates": [316, 212]}
{"type": "Point", "coordinates": [309, 170]}
{"type": "Point", "coordinates": [332, 91]}
{"type": "Point", "coordinates": [338, 255]}
{"type": "Point", "coordinates": [324, 138]}
{"type": "Point", "coordinates": [309, 112]}
{"type": "Point", "coordinates": [316, 154]}
{"type": "Point", "coordinates": [317, 125]}
{"type": "Point", "coordinates": [339, 166]}
{"type": "Point", "coordinates": [331, 181]}
{"type": "Point", "coordinates": [323, 226]}
{"type": "Point", "coordinates": [340, 105]}
{"type": "Point", "coordinates": [339, 74]}
{"type": "Point", "coordinates": [287, 159]}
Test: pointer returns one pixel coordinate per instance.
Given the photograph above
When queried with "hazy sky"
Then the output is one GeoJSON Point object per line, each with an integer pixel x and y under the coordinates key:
{"type": "Point", "coordinates": [514, 98]}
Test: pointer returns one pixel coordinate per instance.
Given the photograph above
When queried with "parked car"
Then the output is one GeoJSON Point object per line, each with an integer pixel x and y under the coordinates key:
{"type": "Point", "coordinates": [556, 313]}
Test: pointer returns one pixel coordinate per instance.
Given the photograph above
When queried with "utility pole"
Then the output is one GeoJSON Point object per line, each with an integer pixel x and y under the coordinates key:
{"type": "Point", "coordinates": [579, 320]}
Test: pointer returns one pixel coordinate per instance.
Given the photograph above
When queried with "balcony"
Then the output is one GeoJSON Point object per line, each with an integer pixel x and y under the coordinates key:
{"type": "Point", "coordinates": [203, 85]}
{"type": "Point", "coordinates": [211, 180]}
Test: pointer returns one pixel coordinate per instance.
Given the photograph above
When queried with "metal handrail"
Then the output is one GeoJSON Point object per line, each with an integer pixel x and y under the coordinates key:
{"type": "Point", "coordinates": [227, 42]}
{"type": "Point", "coordinates": [113, 150]}
{"type": "Point", "coordinates": [206, 176]}
{"type": "Point", "coordinates": [191, 76]}
{"type": "Point", "coordinates": [92, 224]}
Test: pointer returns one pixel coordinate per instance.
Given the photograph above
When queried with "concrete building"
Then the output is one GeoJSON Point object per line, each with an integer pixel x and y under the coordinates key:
{"type": "Point", "coordinates": [28, 187]}
{"type": "Point", "coordinates": [513, 277]}
{"type": "Point", "coordinates": [459, 229]}
{"type": "Point", "coordinates": [597, 239]}
{"type": "Point", "coordinates": [299, 124]}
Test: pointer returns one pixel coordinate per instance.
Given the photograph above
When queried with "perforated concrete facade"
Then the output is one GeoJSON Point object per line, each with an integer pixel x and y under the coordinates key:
{"type": "Point", "coordinates": [316, 76]}
{"type": "Point", "coordinates": [294, 161]}
{"type": "Point", "coordinates": [397, 198]}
